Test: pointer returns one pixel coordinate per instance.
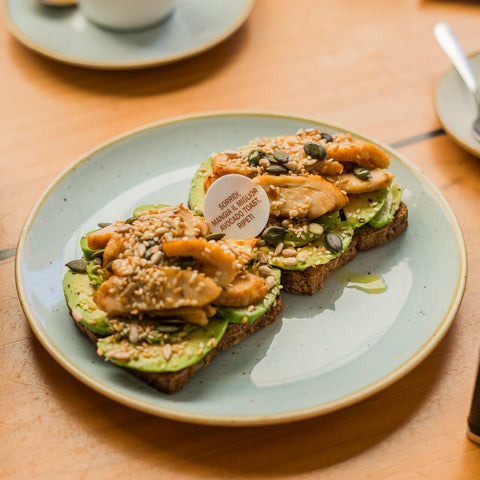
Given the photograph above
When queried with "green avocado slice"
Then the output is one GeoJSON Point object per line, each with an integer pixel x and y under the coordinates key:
{"type": "Point", "coordinates": [149, 206]}
{"type": "Point", "coordinates": [196, 196]}
{"type": "Point", "coordinates": [316, 252]}
{"type": "Point", "coordinates": [293, 239]}
{"type": "Point", "coordinates": [79, 296]}
{"type": "Point", "coordinates": [362, 207]}
{"type": "Point", "coordinates": [389, 208]}
{"type": "Point", "coordinates": [195, 341]}
{"type": "Point", "coordinates": [175, 353]}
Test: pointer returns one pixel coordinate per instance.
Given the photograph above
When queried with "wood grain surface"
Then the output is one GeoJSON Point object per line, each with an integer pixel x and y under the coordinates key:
{"type": "Point", "coordinates": [366, 65]}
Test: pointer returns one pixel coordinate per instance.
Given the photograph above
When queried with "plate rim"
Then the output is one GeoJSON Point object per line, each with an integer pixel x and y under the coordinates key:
{"type": "Point", "coordinates": [246, 420]}
{"type": "Point", "coordinates": [28, 42]}
{"type": "Point", "coordinates": [435, 101]}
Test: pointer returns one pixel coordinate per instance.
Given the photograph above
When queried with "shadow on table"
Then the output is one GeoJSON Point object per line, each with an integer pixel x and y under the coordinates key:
{"type": "Point", "coordinates": [456, 2]}
{"type": "Point", "coordinates": [135, 83]}
{"type": "Point", "coordinates": [261, 452]}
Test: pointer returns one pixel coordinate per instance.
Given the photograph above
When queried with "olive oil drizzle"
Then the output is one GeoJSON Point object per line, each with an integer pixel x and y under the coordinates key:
{"type": "Point", "coordinates": [366, 283]}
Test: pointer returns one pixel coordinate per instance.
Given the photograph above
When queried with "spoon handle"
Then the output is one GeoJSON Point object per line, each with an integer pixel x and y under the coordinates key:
{"type": "Point", "coordinates": [451, 46]}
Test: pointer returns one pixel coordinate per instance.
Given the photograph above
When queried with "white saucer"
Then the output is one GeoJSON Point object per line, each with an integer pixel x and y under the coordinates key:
{"type": "Point", "coordinates": [64, 34]}
{"type": "Point", "coordinates": [455, 107]}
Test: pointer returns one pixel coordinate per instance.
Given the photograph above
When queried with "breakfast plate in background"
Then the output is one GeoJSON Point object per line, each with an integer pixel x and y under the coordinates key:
{"type": "Point", "coordinates": [65, 35]}
{"type": "Point", "coordinates": [456, 108]}
{"type": "Point", "coordinates": [325, 351]}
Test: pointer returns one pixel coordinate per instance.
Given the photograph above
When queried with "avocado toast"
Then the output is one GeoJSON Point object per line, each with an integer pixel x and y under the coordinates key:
{"type": "Point", "coordinates": [330, 197]}
{"type": "Point", "coordinates": [160, 296]}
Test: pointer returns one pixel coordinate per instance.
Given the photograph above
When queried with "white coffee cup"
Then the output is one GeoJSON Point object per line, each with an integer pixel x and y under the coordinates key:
{"type": "Point", "coordinates": [126, 14]}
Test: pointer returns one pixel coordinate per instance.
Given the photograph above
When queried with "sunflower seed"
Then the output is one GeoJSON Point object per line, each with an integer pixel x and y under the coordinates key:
{"type": "Point", "coordinates": [265, 271]}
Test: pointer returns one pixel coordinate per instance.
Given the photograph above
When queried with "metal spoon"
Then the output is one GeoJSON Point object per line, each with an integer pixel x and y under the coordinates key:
{"type": "Point", "coordinates": [448, 41]}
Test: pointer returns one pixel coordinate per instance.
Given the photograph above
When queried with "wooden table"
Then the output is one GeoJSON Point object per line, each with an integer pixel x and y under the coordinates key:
{"type": "Point", "coordinates": [369, 66]}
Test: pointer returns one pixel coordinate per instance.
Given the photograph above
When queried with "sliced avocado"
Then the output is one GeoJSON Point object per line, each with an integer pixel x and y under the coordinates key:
{"type": "Point", "coordinates": [175, 354]}
{"type": "Point", "coordinates": [293, 239]}
{"type": "Point", "coordinates": [362, 207]}
{"type": "Point", "coordinates": [242, 315]}
{"type": "Point", "coordinates": [329, 219]}
{"type": "Point", "coordinates": [389, 208]}
{"type": "Point", "coordinates": [79, 295]}
{"type": "Point", "coordinates": [196, 196]}
{"type": "Point", "coordinates": [149, 206]}
{"type": "Point", "coordinates": [315, 253]}
{"type": "Point", "coordinates": [96, 275]}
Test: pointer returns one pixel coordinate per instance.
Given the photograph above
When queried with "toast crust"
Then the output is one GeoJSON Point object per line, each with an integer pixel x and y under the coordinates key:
{"type": "Point", "coordinates": [312, 279]}
{"type": "Point", "coordinates": [171, 382]}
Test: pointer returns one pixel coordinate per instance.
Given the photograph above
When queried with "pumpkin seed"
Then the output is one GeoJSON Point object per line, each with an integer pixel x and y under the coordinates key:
{"type": "Point", "coordinates": [214, 236]}
{"type": "Point", "coordinates": [362, 173]}
{"type": "Point", "coordinates": [333, 241]}
{"type": "Point", "coordinates": [174, 321]}
{"type": "Point", "coordinates": [130, 220]}
{"type": "Point", "coordinates": [77, 266]}
{"type": "Point", "coordinates": [327, 137]}
{"type": "Point", "coordinates": [315, 228]}
{"type": "Point", "coordinates": [185, 262]}
{"type": "Point", "coordinates": [315, 150]}
{"type": "Point", "coordinates": [281, 156]}
{"type": "Point", "coordinates": [165, 328]}
{"type": "Point", "coordinates": [276, 169]}
{"type": "Point", "coordinates": [98, 253]}
{"type": "Point", "coordinates": [109, 266]}
{"type": "Point", "coordinates": [103, 224]}
{"type": "Point", "coordinates": [270, 158]}
{"type": "Point", "coordinates": [254, 157]}
{"type": "Point", "coordinates": [274, 235]}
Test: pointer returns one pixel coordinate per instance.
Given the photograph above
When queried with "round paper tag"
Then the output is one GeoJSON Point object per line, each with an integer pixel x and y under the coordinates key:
{"type": "Point", "coordinates": [236, 206]}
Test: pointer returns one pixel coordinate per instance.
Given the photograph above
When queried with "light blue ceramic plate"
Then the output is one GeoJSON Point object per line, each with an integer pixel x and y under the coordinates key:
{"type": "Point", "coordinates": [64, 34]}
{"type": "Point", "coordinates": [325, 352]}
{"type": "Point", "coordinates": [456, 108]}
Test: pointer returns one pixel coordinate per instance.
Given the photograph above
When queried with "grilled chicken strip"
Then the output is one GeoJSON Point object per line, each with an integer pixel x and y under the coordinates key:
{"type": "Point", "coordinates": [148, 290]}
{"type": "Point", "coordinates": [301, 196]}
{"type": "Point", "coordinates": [349, 183]}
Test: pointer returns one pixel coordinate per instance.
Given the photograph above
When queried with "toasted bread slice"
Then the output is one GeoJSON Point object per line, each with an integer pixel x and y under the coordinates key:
{"type": "Point", "coordinates": [171, 382]}
{"type": "Point", "coordinates": [312, 279]}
